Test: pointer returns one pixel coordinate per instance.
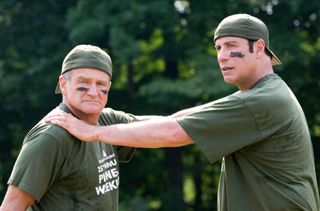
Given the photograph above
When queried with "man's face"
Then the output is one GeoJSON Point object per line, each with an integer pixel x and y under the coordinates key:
{"type": "Point", "coordinates": [235, 61]}
{"type": "Point", "coordinates": [85, 90]}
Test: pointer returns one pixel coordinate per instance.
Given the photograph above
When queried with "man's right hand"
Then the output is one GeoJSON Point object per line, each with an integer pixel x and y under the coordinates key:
{"type": "Point", "coordinates": [74, 126]}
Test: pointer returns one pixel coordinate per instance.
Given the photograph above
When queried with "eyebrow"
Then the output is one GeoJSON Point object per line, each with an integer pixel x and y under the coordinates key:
{"type": "Point", "coordinates": [85, 79]}
{"type": "Point", "coordinates": [227, 43]}
{"type": "Point", "coordinates": [230, 42]}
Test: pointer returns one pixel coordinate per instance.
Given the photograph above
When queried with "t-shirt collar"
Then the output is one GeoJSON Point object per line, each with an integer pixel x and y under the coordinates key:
{"type": "Point", "coordinates": [265, 78]}
{"type": "Point", "coordinates": [64, 108]}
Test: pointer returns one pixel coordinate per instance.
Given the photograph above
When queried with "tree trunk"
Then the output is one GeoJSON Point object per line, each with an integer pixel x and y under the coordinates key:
{"type": "Point", "coordinates": [175, 180]}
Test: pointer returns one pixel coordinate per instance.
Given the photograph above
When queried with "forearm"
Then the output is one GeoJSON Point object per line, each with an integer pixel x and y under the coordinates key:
{"type": "Point", "coordinates": [155, 133]}
{"type": "Point", "coordinates": [16, 200]}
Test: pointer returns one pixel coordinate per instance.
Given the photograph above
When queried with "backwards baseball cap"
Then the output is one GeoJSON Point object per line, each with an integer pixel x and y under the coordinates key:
{"type": "Point", "coordinates": [248, 27]}
{"type": "Point", "coordinates": [86, 56]}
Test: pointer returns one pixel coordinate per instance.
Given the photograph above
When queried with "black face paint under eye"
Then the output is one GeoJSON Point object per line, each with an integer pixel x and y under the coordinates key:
{"type": "Point", "coordinates": [82, 89]}
{"type": "Point", "coordinates": [104, 91]}
{"type": "Point", "coordinates": [236, 54]}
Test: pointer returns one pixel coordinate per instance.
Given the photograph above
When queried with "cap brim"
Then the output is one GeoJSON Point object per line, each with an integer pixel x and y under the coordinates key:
{"type": "Point", "coordinates": [275, 60]}
{"type": "Point", "coordinates": [57, 91]}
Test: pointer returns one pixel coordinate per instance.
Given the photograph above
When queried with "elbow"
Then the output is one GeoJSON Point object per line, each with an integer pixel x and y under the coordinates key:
{"type": "Point", "coordinates": [178, 137]}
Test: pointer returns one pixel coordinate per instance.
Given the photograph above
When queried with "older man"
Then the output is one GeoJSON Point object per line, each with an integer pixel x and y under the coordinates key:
{"type": "Point", "coordinates": [54, 170]}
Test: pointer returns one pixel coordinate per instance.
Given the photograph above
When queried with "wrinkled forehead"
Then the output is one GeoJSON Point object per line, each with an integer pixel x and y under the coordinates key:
{"type": "Point", "coordinates": [90, 73]}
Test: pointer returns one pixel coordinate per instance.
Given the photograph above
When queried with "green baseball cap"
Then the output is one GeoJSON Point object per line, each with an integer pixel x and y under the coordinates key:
{"type": "Point", "coordinates": [245, 26]}
{"type": "Point", "coordinates": [86, 56]}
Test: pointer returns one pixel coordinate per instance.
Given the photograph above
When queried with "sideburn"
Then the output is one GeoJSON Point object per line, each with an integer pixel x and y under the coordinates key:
{"type": "Point", "coordinates": [241, 55]}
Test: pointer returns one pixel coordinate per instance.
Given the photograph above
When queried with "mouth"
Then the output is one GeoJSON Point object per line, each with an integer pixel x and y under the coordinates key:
{"type": "Point", "coordinates": [226, 68]}
{"type": "Point", "coordinates": [92, 102]}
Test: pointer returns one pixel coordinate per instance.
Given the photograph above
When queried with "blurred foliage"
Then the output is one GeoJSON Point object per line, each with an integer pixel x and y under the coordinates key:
{"type": "Point", "coordinates": [164, 60]}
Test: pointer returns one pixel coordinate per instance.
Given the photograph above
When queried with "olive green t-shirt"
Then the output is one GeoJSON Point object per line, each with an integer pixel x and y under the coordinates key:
{"type": "Point", "coordinates": [64, 173]}
{"type": "Point", "coordinates": [263, 138]}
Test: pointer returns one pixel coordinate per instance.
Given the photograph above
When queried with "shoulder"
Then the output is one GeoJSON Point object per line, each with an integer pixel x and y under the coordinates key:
{"type": "Point", "coordinates": [48, 134]}
{"type": "Point", "coordinates": [267, 92]}
{"type": "Point", "coordinates": [272, 99]}
{"type": "Point", "coordinates": [110, 116]}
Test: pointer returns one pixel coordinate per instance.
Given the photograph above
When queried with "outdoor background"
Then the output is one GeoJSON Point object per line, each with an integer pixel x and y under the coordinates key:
{"type": "Point", "coordinates": [164, 60]}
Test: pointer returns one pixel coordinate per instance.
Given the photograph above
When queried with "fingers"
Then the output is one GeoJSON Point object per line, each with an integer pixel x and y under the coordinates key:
{"type": "Point", "coordinates": [58, 117]}
{"type": "Point", "coordinates": [57, 120]}
{"type": "Point", "coordinates": [54, 111]}
{"type": "Point", "coordinates": [54, 114]}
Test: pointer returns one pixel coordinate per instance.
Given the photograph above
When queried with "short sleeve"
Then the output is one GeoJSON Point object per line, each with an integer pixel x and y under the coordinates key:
{"type": "Point", "coordinates": [37, 166]}
{"type": "Point", "coordinates": [221, 127]}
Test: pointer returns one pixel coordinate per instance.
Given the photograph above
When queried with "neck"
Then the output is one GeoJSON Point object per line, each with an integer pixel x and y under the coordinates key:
{"type": "Point", "coordinates": [91, 119]}
{"type": "Point", "coordinates": [255, 77]}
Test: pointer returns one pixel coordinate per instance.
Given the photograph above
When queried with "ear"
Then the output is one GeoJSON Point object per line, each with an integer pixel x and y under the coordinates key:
{"type": "Point", "coordinates": [260, 46]}
{"type": "Point", "coordinates": [62, 84]}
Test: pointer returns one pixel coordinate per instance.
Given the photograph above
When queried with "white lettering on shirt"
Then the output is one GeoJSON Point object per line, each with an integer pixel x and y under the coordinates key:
{"type": "Point", "coordinates": [108, 174]}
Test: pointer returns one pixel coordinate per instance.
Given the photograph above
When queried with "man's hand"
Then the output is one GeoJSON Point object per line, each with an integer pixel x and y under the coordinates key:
{"type": "Point", "coordinates": [76, 127]}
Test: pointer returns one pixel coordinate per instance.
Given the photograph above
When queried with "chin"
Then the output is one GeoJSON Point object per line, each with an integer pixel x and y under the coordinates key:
{"type": "Point", "coordinates": [228, 80]}
{"type": "Point", "coordinates": [92, 109]}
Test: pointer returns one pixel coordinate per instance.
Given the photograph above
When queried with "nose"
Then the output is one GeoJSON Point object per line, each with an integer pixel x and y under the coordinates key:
{"type": "Point", "coordinates": [92, 90]}
{"type": "Point", "coordinates": [222, 55]}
